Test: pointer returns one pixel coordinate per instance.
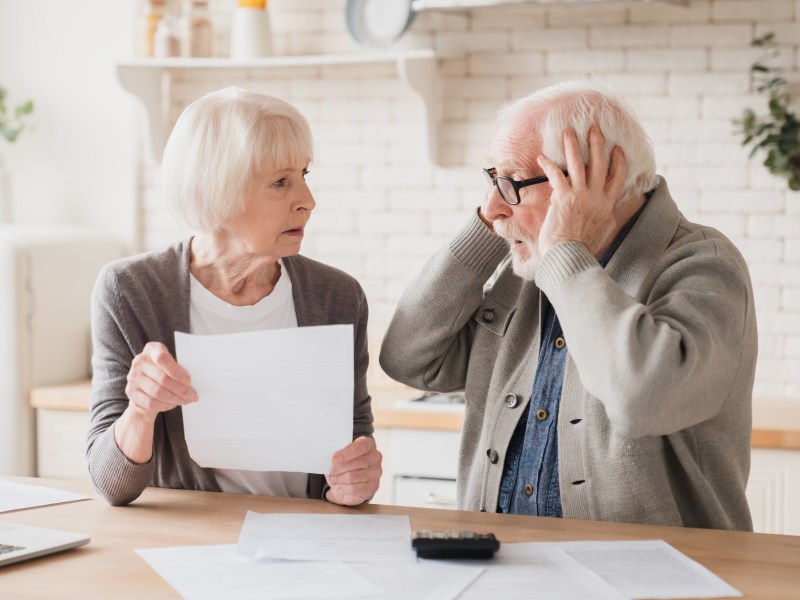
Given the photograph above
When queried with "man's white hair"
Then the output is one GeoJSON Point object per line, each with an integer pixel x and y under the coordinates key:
{"type": "Point", "coordinates": [581, 104]}
{"type": "Point", "coordinates": [218, 143]}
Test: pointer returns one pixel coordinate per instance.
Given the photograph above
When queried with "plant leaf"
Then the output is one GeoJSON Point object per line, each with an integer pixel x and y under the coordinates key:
{"type": "Point", "coordinates": [24, 109]}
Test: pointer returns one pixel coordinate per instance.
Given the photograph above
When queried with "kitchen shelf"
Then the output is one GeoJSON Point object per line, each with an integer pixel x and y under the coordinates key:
{"type": "Point", "coordinates": [150, 80]}
{"type": "Point", "coordinates": [420, 5]}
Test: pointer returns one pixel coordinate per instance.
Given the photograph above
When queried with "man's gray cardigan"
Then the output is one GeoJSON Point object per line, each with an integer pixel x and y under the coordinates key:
{"type": "Point", "coordinates": [654, 423]}
{"type": "Point", "coordinates": [144, 299]}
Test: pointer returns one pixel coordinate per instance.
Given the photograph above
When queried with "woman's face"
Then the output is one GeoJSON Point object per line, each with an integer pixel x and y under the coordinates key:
{"type": "Point", "coordinates": [278, 205]}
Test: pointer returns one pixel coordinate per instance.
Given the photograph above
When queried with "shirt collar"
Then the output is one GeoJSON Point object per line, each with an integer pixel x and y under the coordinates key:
{"type": "Point", "coordinates": [624, 232]}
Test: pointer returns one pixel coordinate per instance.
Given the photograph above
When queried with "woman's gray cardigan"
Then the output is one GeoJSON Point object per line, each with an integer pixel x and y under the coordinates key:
{"type": "Point", "coordinates": [145, 298]}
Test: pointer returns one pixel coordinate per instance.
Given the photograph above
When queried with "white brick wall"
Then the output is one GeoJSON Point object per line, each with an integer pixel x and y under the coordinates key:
{"type": "Point", "coordinates": [383, 209]}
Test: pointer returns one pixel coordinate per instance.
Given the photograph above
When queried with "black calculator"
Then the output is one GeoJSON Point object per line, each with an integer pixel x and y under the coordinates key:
{"type": "Point", "coordinates": [455, 544]}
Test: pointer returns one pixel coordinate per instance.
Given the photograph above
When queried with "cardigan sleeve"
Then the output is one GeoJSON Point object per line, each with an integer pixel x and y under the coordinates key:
{"type": "Point", "coordinates": [428, 343]}
{"type": "Point", "coordinates": [670, 362]}
{"type": "Point", "coordinates": [114, 476]}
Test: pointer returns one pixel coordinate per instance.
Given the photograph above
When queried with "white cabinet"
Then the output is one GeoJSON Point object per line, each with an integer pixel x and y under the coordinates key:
{"type": "Point", "coordinates": [61, 444]}
{"type": "Point", "coordinates": [47, 273]}
{"type": "Point", "coordinates": [419, 467]}
{"type": "Point", "coordinates": [774, 491]}
{"type": "Point", "coordinates": [425, 492]}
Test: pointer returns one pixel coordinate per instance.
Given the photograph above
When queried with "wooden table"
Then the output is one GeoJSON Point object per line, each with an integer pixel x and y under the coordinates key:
{"type": "Point", "coordinates": [763, 567]}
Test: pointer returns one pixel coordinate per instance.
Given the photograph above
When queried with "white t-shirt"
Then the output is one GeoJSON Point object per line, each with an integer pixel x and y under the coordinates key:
{"type": "Point", "coordinates": [212, 315]}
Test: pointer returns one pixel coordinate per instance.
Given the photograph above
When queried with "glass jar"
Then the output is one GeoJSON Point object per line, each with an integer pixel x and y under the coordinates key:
{"type": "Point", "coordinates": [166, 43]}
{"type": "Point", "coordinates": [194, 29]}
{"type": "Point", "coordinates": [152, 11]}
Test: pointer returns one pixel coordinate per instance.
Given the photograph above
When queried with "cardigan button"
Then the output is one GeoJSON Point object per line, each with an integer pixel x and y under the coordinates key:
{"type": "Point", "coordinates": [488, 315]}
{"type": "Point", "coordinates": [512, 401]}
{"type": "Point", "coordinates": [493, 455]}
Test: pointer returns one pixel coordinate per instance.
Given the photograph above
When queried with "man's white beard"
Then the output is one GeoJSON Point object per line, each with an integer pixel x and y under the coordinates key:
{"type": "Point", "coordinates": [524, 268]}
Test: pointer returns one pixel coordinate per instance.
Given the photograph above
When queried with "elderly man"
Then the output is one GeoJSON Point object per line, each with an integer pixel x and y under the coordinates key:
{"type": "Point", "coordinates": [608, 362]}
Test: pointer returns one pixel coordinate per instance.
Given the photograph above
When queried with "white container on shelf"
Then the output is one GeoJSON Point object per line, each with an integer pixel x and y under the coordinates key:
{"type": "Point", "coordinates": [194, 29]}
{"type": "Point", "coordinates": [251, 36]}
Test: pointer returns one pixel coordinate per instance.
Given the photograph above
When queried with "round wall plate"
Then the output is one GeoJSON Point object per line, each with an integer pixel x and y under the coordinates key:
{"type": "Point", "coordinates": [378, 23]}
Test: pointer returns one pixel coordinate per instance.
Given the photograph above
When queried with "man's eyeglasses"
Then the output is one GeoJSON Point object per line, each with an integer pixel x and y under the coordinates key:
{"type": "Point", "coordinates": [509, 188]}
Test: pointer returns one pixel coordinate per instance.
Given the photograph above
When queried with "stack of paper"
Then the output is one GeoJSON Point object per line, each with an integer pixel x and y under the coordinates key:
{"type": "Point", "coordinates": [18, 496]}
{"type": "Point", "coordinates": [370, 557]}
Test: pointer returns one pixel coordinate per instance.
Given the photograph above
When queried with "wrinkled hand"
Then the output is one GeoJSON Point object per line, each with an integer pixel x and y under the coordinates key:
{"type": "Point", "coordinates": [355, 473]}
{"type": "Point", "coordinates": [157, 383]}
{"type": "Point", "coordinates": [582, 207]}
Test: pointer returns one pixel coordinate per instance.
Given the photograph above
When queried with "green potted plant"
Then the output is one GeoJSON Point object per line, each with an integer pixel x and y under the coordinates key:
{"type": "Point", "coordinates": [778, 132]}
{"type": "Point", "coordinates": [12, 122]}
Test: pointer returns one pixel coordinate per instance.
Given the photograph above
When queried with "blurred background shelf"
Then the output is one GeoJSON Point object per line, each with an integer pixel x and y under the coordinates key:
{"type": "Point", "coordinates": [150, 80]}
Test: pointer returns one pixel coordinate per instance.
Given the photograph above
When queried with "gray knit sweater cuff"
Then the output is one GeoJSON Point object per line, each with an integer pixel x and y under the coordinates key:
{"type": "Point", "coordinates": [561, 262]}
{"type": "Point", "coordinates": [477, 247]}
{"type": "Point", "coordinates": [115, 477]}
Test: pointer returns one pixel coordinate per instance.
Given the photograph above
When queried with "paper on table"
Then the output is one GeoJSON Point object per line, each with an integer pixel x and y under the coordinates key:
{"type": "Point", "coordinates": [522, 571]}
{"type": "Point", "coordinates": [420, 581]}
{"type": "Point", "coordinates": [649, 569]}
{"type": "Point", "coordinates": [340, 538]}
{"type": "Point", "coordinates": [213, 572]}
{"type": "Point", "coordinates": [17, 496]}
{"type": "Point", "coordinates": [277, 400]}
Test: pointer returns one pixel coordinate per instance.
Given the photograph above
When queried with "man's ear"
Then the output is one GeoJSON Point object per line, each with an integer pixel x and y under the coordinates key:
{"type": "Point", "coordinates": [615, 180]}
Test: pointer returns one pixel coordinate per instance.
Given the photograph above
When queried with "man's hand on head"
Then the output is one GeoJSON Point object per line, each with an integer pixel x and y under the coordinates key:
{"type": "Point", "coordinates": [582, 206]}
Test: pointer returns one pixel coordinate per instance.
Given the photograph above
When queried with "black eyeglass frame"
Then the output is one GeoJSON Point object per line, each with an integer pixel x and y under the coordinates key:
{"type": "Point", "coordinates": [491, 176]}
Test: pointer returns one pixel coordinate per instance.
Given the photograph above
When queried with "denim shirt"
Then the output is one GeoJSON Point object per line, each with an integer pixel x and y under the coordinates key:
{"type": "Point", "coordinates": [530, 474]}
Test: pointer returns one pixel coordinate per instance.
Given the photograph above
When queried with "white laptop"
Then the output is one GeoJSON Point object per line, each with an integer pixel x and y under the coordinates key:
{"type": "Point", "coordinates": [21, 542]}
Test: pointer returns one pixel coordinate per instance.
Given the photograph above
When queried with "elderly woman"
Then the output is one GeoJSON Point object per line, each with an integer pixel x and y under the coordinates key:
{"type": "Point", "coordinates": [234, 170]}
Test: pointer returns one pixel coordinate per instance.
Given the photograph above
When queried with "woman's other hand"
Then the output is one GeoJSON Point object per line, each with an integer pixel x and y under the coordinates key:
{"type": "Point", "coordinates": [156, 384]}
{"type": "Point", "coordinates": [355, 473]}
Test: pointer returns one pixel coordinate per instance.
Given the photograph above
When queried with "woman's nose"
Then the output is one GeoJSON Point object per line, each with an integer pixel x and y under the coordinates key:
{"type": "Point", "coordinates": [306, 200]}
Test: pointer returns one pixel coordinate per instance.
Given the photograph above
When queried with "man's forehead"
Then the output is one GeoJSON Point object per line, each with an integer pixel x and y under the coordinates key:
{"type": "Point", "coordinates": [508, 164]}
{"type": "Point", "coordinates": [514, 146]}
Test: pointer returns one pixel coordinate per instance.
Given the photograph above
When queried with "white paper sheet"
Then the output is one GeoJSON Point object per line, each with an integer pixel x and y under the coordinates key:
{"type": "Point", "coordinates": [649, 569]}
{"type": "Point", "coordinates": [417, 581]}
{"type": "Point", "coordinates": [524, 572]}
{"type": "Point", "coordinates": [214, 572]}
{"type": "Point", "coordinates": [339, 538]}
{"type": "Point", "coordinates": [18, 496]}
{"type": "Point", "coordinates": [278, 400]}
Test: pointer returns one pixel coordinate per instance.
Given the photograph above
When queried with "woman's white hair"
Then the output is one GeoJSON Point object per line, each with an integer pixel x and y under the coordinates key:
{"type": "Point", "coordinates": [580, 104]}
{"type": "Point", "coordinates": [218, 143]}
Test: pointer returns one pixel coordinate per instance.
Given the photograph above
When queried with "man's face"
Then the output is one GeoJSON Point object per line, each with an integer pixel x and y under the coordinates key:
{"type": "Point", "coordinates": [513, 153]}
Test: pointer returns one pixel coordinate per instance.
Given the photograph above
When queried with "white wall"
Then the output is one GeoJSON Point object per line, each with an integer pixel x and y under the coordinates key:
{"type": "Point", "coordinates": [79, 162]}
